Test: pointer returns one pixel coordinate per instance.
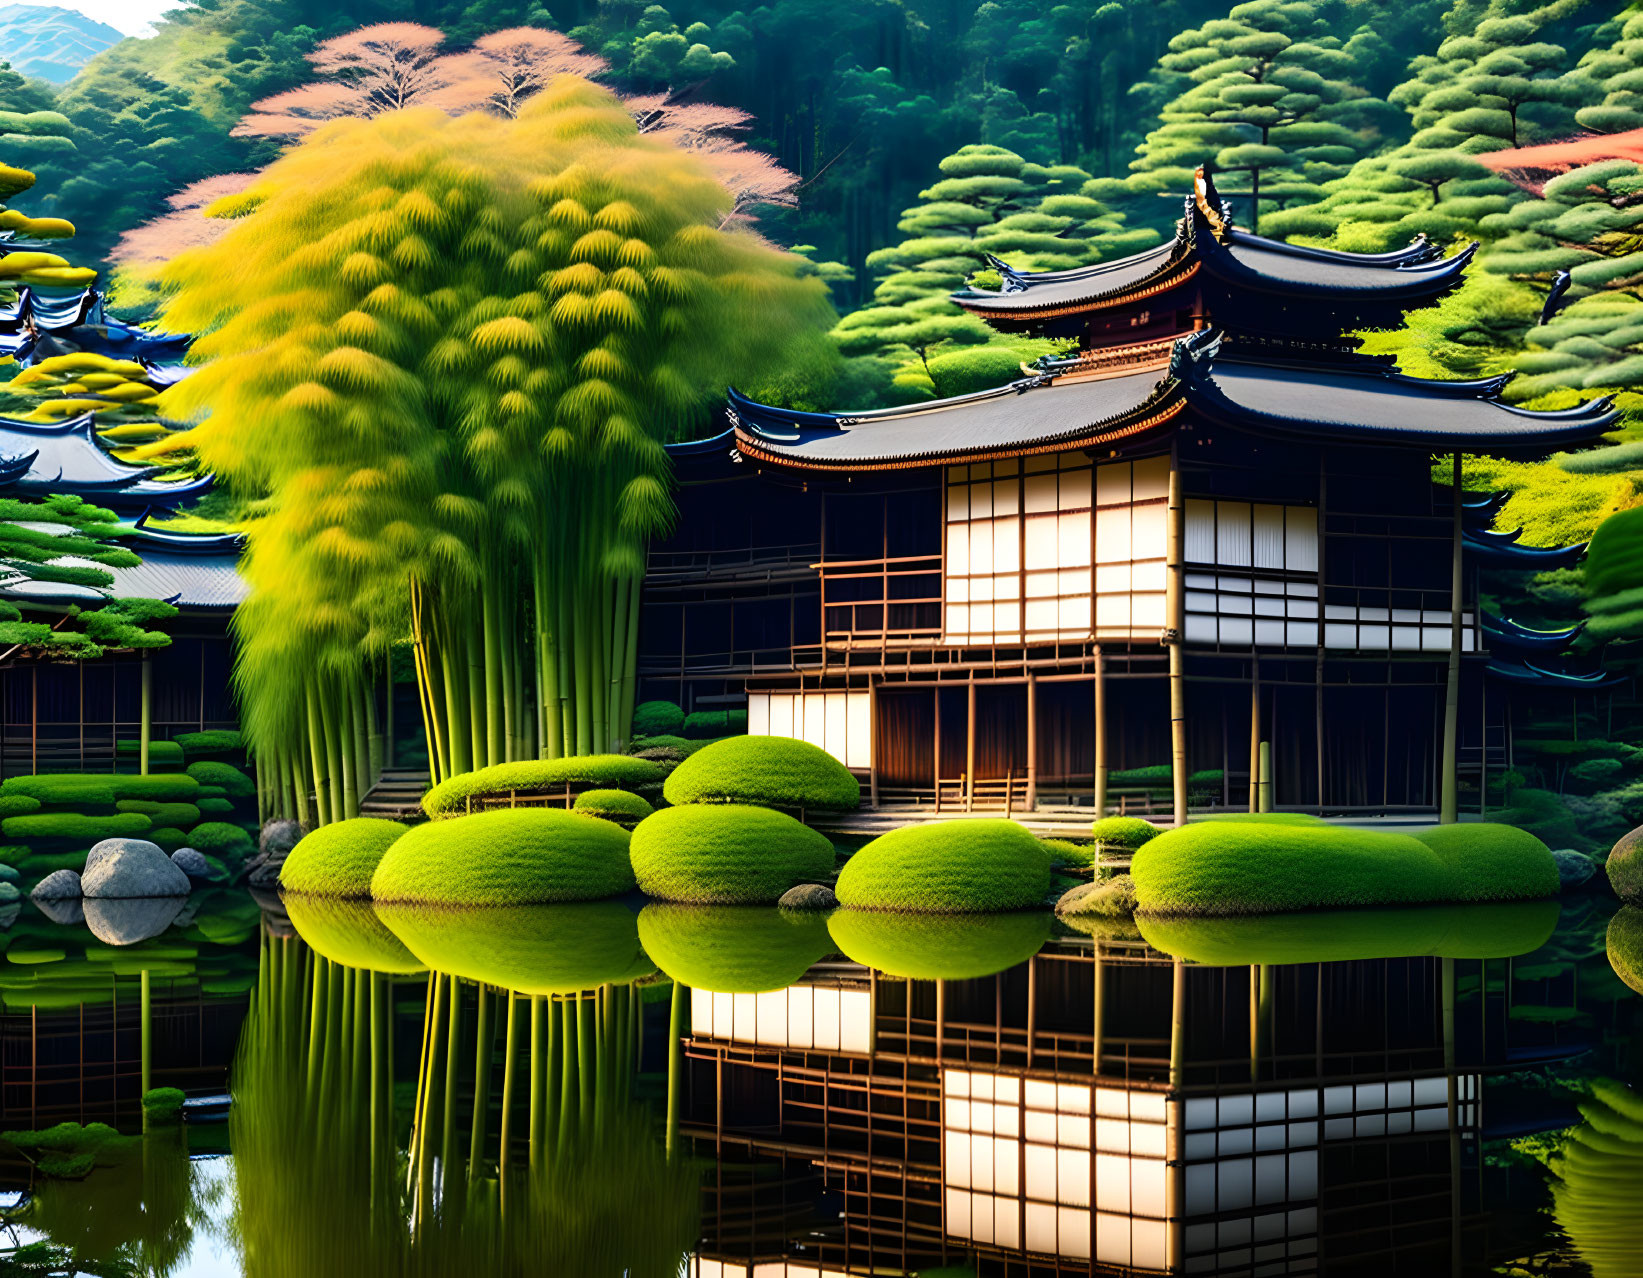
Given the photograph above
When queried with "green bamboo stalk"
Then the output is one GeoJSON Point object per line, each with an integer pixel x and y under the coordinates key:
{"type": "Point", "coordinates": [630, 665]}
{"type": "Point", "coordinates": [458, 748]}
{"type": "Point", "coordinates": [676, 1066]}
{"type": "Point", "coordinates": [495, 708]}
{"type": "Point", "coordinates": [447, 1145]}
{"type": "Point", "coordinates": [484, 1052]}
{"type": "Point", "coordinates": [586, 1043]}
{"type": "Point", "coordinates": [509, 1050]}
{"type": "Point", "coordinates": [567, 1071]}
{"type": "Point", "coordinates": [538, 1103]}
{"type": "Point", "coordinates": [333, 757]}
{"type": "Point", "coordinates": [316, 1024]}
{"type": "Point", "coordinates": [473, 644]}
{"type": "Point", "coordinates": [316, 754]}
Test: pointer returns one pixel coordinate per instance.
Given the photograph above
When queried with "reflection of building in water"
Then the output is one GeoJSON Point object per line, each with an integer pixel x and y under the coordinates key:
{"type": "Point", "coordinates": [1222, 1120]}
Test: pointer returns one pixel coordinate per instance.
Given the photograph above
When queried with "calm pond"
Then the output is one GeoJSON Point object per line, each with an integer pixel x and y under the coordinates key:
{"type": "Point", "coordinates": [529, 1091]}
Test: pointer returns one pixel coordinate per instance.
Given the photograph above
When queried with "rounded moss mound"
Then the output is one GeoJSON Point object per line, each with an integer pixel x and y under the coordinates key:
{"type": "Point", "coordinates": [1268, 818]}
{"type": "Point", "coordinates": [1625, 867]}
{"type": "Point", "coordinates": [1121, 832]}
{"type": "Point", "coordinates": [1625, 943]}
{"type": "Point", "coordinates": [1063, 853]}
{"type": "Point", "coordinates": [934, 947]}
{"type": "Point", "coordinates": [73, 825]}
{"type": "Point", "coordinates": [79, 789]}
{"type": "Point", "coordinates": [17, 805]}
{"type": "Point", "coordinates": [350, 933]}
{"type": "Point", "coordinates": [212, 741]}
{"type": "Point", "coordinates": [733, 949]}
{"type": "Point", "coordinates": [948, 867]}
{"type": "Point", "coordinates": [234, 783]}
{"type": "Point", "coordinates": [777, 772]}
{"type": "Point", "coordinates": [222, 839]}
{"type": "Point", "coordinates": [530, 949]}
{"type": "Point", "coordinates": [1257, 867]}
{"type": "Point", "coordinates": [622, 806]}
{"type": "Point", "coordinates": [726, 854]}
{"type": "Point", "coordinates": [657, 718]}
{"type": "Point", "coordinates": [520, 856]}
{"type": "Point", "coordinates": [1337, 936]}
{"type": "Point", "coordinates": [1488, 862]}
{"type": "Point", "coordinates": [339, 859]}
{"type": "Point", "coordinates": [180, 815]}
{"type": "Point", "coordinates": [538, 776]}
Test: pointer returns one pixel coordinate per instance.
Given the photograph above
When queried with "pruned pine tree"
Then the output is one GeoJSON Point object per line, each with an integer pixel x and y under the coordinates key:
{"type": "Point", "coordinates": [447, 352]}
{"type": "Point", "coordinates": [988, 203]}
{"type": "Point", "coordinates": [1270, 98]}
{"type": "Point", "coordinates": [1614, 70]}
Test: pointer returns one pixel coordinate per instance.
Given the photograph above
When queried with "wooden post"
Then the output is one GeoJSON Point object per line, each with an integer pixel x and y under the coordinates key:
{"type": "Point", "coordinates": [873, 742]}
{"type": "Point", "coordinates": [1173, 606]}
{"type": "Point", "coordinates": [1100, 735]}
{"type": "Point", "coordinates": [1264, 789]}
{"type": "Point", "coordinates": [1032, 741]}
{"type": "Point", "coordinates": [970, 750]}
{"type": "Point", "coordinates": [1449, 793]}
{"type": "Point", "coordinates": [935, 746]}
{"type": "Point", "coordinates": [1255, 734]}
{"type": "Point", "coordinates": [145, 729]}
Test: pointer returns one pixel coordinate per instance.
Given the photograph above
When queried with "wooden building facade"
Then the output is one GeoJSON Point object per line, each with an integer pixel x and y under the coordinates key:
{"type": "Point", "coordinates": [1208, 534]}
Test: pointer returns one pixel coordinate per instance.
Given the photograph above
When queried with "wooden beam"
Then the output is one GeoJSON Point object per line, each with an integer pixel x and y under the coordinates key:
{"type": "Point", "coordinates": [970, 749]}
{"type": "Point", "coordinates": [1448, 781]}
{"type": "Point", "coordinates": [1100, 734]}
{"type": "Point", "coordinates": [872, 741]}
{"type": "Point", "coordinates": [1255, 733]}
{"type": "Point", "coordinates": [1175, 599]}
{"type": "Point", "coordinates": [935, 748]}
{"type": "Point", "coordinates": [1032, 742]}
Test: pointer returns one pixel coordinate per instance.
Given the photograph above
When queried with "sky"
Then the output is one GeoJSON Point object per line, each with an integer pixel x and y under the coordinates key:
{"type": "Point", "coordinates": [134, 17]}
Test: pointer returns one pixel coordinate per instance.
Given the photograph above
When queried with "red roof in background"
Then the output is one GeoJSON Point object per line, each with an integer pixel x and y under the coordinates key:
{"type": "Point", "coordinates": [1560, 157]}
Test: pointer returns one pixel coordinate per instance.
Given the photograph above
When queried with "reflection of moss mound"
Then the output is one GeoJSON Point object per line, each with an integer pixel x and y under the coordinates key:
{"type": "Point", "coordinates": [532, 949]}
{"type": "Point", "coordinates": [1224, 867]}
{"type": "Point", "coordinates": [931, 947]}
{"type": "Point", "coordinates": [1103, 928]}
{"type": "Point", "coordinates": [1489, 862]}
{"type": "Point", "coordinates": [948, 867]}
{"type": "Point", "coordinates": [1625, 867]}
{"type": "Point", "coordinates": [513, 856]}
{"type": "Point", "coordinates": [726, 854]}
{"type": "Point", "coordinates": [350, 933]}
{"type": "Point", "coordinates": [1625, 940]}
{"type": "Point", "coordinates": [1596, 1173]}
{"type": "Point", "coordinates": [777, 772]}
{"type": "Point", "coordinates": [734, 949]}
{"type": "Point", "coordinates": [1443, 931]}
{"type": "Point", "coordinates": [339, 859]}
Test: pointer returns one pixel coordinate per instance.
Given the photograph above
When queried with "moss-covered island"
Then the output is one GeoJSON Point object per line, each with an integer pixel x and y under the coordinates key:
{"type": "Point", "coordinates": [774, 772]}
{"type": "Point", "coordinates": [339, 860]}
{"type": "Point", "coordinates": [1262, 867]}
{"type": "Point", "coordinates": [948, 867]}
{"type": "Point", "coordinates": [726, 854]}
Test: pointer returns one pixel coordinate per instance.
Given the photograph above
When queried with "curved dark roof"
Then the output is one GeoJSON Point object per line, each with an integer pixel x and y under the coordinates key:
{"type": "Point", "coordinates": [67, 457]}
{"type": "Point", "coordinates": [195, 581]}
{"type": "Point", "coordinates": [1521, 671]}
{"type": "Point", "coordinates": [1029, 291]}
{"type": "Point", "coordinates": [1504, 551]}
{"type": "Point", "coordinates": [1318, 403]}
{"type": "Point", "coordinates": [1506, 633]}
{"type": "Point", "coordinates": [1035, 414]}
{"type": "Point", "coordinates": [1373, 404]}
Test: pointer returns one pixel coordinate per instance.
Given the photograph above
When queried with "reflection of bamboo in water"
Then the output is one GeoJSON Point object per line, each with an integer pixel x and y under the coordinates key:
{"type": "Point", "coordinates": [675, 1065]}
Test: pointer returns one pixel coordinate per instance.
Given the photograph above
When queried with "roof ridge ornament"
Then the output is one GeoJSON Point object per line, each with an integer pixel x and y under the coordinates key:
{"type": "Point", "coordinates": [1217, 211]}
{"type": "Point", "coordinates": [1010, 279]}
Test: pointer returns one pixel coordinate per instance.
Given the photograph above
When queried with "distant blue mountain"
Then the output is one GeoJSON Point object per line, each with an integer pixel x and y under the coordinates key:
{"type": "Point", "coordinates": [50, 43]}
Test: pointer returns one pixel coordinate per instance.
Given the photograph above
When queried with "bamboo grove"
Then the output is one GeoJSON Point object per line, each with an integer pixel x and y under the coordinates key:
{"type": "Point", "coordinates": [517, 1149]}
{"type": "Point", "coordinates": [443, 355]}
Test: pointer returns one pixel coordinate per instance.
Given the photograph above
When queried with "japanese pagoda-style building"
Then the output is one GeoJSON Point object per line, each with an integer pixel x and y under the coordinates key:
{"type": "Point", "coordinates": [1211, 528]}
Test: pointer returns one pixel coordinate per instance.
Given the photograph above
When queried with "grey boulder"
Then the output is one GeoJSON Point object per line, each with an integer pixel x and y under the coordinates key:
{"type": "Point", "coordinates": [9, 892]}
{"type": "Point", "coordinates": [129, 920]}
{"type": "Point", "coordinates": [59, 885]}
{"type": "Point", "coordinates": [808, 896]}
{"type": "Point", "coordinates": [127, 868]}
{"type": "Point", "coordinates": [1573, 868]}
{"type": "Point", "coordinates": [192, 863]}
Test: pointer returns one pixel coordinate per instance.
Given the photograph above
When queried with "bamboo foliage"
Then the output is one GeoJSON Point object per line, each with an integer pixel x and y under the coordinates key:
{"type": "Point", "coordinates": [447, 351]}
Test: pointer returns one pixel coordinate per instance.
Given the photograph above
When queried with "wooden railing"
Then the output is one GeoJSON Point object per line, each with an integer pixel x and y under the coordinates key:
{"type": "Point", "coordinates": [881, 602]}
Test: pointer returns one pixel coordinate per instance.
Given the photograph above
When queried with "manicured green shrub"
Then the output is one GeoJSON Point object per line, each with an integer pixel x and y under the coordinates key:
{"type": "Point", "coordinates": [1625, 867]}
{"type": "Point", "coordinates": [1501, 930]}
{"type": "Point", "coordinates": [621, 806]}
{"type": "Point", "coordinates": [1227, 867]}
{"type": "Point", "coordinates": [221, 839]}
{"type": "Point", "coordinates": [167, 837]}
{"type": "Point", "coordinates": [933, 947]}
{"type": "Point", "coordinates": [644, 749]}
{"type": "Point", "coordinates": [72, 825]}
{"type": "Point", "coordinates": [17, 805]}
{"type": "Point", "coordinates": [350, 933]}
{"type": "Point", "coordinates": [161, 754]}
{"type": "Point", "coordinates": [80, 789]}
{"type": "Point", "coordinates": [178, 814]}
{"type": "Point", "coordinates": [1625, 945]}
{"type": "Point", "coordinates": [707, 725]}
{"type": "Point", "coordinates": [1488, 862]}
{"type": "Point", "coordinates": [516, 856]}
{"type": "Point", "coordinates": [1544, 815]}
{"type": "Point", "coordinates": [777, 772]}
{"type": "Point", "coordinates": [1155, 775]}
{"type": "Point", "coordinates": [1063, 853]}
{"type": "Point", "coordinates": [1267, 818]}
{"type": "Point", "coordinates": [1112, 898]}
{"type": "Point", "coordinates": [234, 783]}
{"type": "Point", "coordinates": [733, 949]}
{"type": "Point", "coordinates": [655, 718]}
{"type": "Point", "coordinates": [339, 859]}
{"type": "Point", "coordinates": [948, 867]}
{"type": "Point", "coordinates": [1122, 833]}
{"type": "Point", "coordinates": [536, 776]}
{"type": "Point", "coordinates": [530, 949]}
{"type": "Point", "coordinates": [211, 742]}
{"type": "Point", "coordinates": [726, 854]}
{"type": "Point", "coordinates": [215, 804]}
{"type": "Point", "coordinates": [163, 1104]}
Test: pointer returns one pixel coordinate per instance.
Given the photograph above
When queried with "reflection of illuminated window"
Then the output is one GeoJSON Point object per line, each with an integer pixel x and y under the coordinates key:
{"type": "Point", "coordinates": [824, 1017]}
{"type": "Point", "coordinates": [839, 722]}
{"type": "Point", "coordinates": [1026, 1160]}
